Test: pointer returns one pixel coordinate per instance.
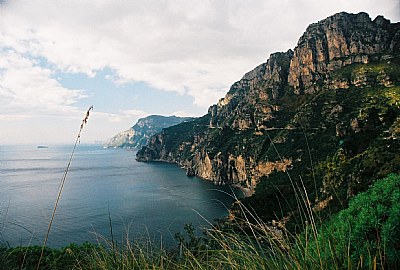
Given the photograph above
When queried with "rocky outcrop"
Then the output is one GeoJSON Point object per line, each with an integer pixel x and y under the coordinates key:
{"type": "Point", "coordinates": [124, 139]}
{"type": "Point", "coordinates": [234, 170]}
{"type": "Point", "coordinates": [337, 41]}
{"type": "Point", "coordinates": [139, 134]}
{"type": "Point", "coordinates": [244, 105]}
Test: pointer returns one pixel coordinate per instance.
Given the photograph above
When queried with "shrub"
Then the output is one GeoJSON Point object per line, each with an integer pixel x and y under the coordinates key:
{"type": "Point", "coordinates": [367, 233]}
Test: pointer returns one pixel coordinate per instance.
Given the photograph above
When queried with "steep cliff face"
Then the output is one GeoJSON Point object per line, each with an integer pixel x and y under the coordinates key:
{"type": "Point", "coordinates": [317, 116]}
{"type": "Point", "coordinates": [338, 41]}
{"type": "Point", "coordinates": [248, 102]}
{"type": "Point", "coordinates": [139, 134]}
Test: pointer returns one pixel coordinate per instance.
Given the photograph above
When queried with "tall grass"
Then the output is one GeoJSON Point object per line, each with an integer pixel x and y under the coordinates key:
{"type": "Point", "coordinates": [343, 242]}
{"type": "Point", "coordinates": [366, 235]}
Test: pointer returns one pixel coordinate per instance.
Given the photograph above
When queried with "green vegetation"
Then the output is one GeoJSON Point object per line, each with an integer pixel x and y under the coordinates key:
{"type": "Point", "coordinates": [375, 69]}
{"type": "Point", "coordinates": [340, 141]}
{"type": "Point", "coordinates": [366, 235]}
{"type": "Point", "coordinates": [70, 257]}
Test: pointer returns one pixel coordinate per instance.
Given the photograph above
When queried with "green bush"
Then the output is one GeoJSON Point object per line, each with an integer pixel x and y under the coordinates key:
{"type": "Point", "coordinates": [367, 233]}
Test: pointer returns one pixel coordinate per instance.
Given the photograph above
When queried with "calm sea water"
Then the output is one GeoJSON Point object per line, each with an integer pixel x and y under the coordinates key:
{"type": "Point", "coordinates": [145, 200]}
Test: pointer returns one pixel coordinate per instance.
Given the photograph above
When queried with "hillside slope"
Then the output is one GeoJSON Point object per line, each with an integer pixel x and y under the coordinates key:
{"type": "Point", "coordinates": [139, 134]}
{"type": "Point", "coordinates": [324, 116]}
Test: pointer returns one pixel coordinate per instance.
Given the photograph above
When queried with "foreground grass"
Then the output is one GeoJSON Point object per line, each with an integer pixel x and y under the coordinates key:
{"type": "Point", "coordinates": [366, 235]}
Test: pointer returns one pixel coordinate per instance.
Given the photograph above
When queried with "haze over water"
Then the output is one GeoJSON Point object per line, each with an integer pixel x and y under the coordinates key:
{"type": "Point", "coordinates": [144, 199]}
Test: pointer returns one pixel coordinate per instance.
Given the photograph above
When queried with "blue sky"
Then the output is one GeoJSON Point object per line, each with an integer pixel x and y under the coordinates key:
{"type": "Point", "coordinates": [130, 59]}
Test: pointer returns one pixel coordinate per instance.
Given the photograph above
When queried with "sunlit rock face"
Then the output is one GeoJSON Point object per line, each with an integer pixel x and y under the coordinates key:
{"type": "Point", "coordinates": [335, 42]}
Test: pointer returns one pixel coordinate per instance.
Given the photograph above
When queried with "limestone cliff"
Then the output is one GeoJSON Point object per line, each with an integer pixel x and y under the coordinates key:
{"type": "Point", "coordinates": [337, 41]}
{"type": "Point", "coordinates": [139, 134]}
{"type": "Point", "coordinates": [317, 116]}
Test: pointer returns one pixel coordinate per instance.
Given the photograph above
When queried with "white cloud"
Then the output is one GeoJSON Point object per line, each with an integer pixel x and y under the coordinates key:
{"type": "Point", "coordinates": [14, 117]}
{"type": "Point", "coordinates": [182, 114]}
{"type": "Point", "coordinates": [134, 113]}
{"type": "Point", "coordinates": [195, 47]}
{"type": "Point", "coordinates": [122, 115]}
{"type": "Point", "coordinates": [28, 89]}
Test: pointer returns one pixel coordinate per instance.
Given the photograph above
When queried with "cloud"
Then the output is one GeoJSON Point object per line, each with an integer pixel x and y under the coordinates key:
{"type": "Point", "coordinates": [14, 117]}
{"type": "Point", "coordinates": [122, 115]}
{"type": "Point", "coordinates": [182, 114]}
{"type": "Point", "coordinates": [134, 113]}
{"type": "Point", "coordinates": [198, 48]}
{"type": "Point", "coordinates": [27, 89]}
{"type": "Point", "coordinates": [195, 48]}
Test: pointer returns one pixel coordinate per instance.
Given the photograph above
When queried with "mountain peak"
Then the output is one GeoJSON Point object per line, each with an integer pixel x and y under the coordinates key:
{"type": "Point", "coordinates": [337, 41]}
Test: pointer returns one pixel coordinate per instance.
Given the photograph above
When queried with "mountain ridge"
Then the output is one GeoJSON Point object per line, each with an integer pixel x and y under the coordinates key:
{"type": "Point", "coordinates": [321, 112]}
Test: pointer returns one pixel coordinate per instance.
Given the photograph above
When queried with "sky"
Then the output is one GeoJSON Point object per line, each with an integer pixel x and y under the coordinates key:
{"type": "Point", "coordinates": [130, 59]}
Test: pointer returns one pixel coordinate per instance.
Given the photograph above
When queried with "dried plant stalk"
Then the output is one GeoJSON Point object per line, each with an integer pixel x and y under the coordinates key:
{"type": "Point", "coordinates": [64, 177]}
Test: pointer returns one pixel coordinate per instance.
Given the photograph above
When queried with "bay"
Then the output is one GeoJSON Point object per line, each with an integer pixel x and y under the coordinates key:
{"type": "Point", "coordinates": [150, 201]}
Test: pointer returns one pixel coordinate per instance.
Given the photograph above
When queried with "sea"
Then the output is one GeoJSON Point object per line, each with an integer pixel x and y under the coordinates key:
{"type": "Point", "coordinates": [107, 196]}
